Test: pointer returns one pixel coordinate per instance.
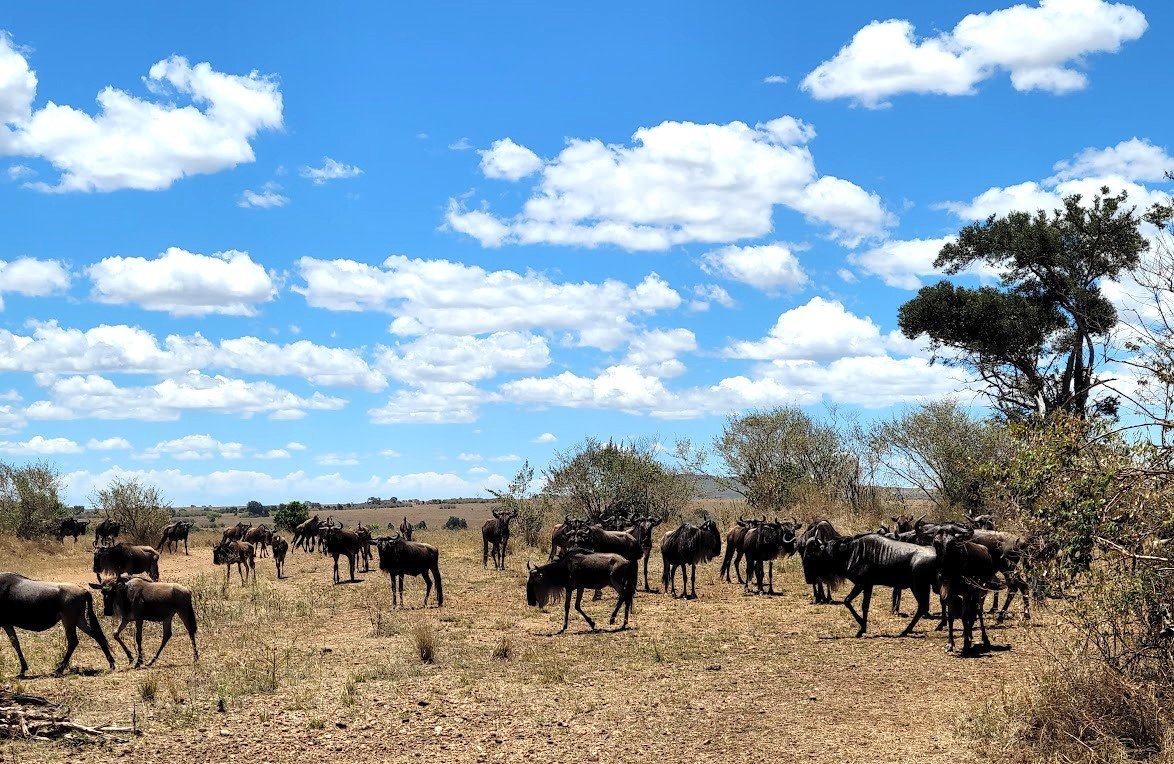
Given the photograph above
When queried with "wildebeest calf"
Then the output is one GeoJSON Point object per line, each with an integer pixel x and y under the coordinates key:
{"type": "Point", "coordinates": [280, 547]}
{"type": "Point", "coordinates": [133, 599]}
{"type": "Point", "coordinates": [495, 537]}
{"type": "Point", "coordinates": [239, 553]}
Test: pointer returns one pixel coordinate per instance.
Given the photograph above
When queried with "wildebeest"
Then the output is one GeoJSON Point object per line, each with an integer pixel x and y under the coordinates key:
{"type": "Point", "coordinates": [306, 534]}
{"type": "Point", "coordinates": [495, 537]}
{"type": "Point", "coordinates": [399, 557]}
{"type": "Point", "coordinates": [39, 605]}
{"type": "Point", "coordinates": [735, 537]}
{"type": "Point", "coordinates": [113, 561]}
{"type": "Point", "coordinates": [71, 526]}
{"type": "Point", "coordinates": [763, 544]}
{"type": "Point", "coordinates": [873, 560]}
{"type": "Point", "coordinates": [577, 570]}
{"type": "Point", "coordinates": [106, 531]}
{"type": "Point", "coordinates": [342, 543]}
{"type": "Point", "coordinates": [175, 533]}
{"type": "Point", "coordinates": [687, 547]}
{"type": "Point", "coordinates": [259, 537]}
{"type": "Point", "coordinates": [641, 529]}
{"type": "Point", "coordinates": [405, 529]}
{"type": "Point", "coordinates": [965, 574]}
{"type": "Point", "coordinates": [821, 577]}
{"type": "Point", "coordinates": [280, 547]}
{"type": "Point", "coordinates": [984, 522]}
{"type": "Point", "coordinates": [239, 553]}
{"type": "Point", "coordinates": [1008, 551]}
{"type": "Point", "coordinates": [560, 535]}
{"type": "Point", "coordinates": [133, 599]}
{"type": "Point", "coordinates": [236, 532]}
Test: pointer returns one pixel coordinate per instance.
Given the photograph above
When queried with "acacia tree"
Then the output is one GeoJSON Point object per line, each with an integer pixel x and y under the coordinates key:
{"type": "Point", "coordinates": [29, 503]}
{"type": "Point", "coordinates": [1037, 340]}
{"type": "Point", "coordinates": [599, 480]}
{"type": "Point", "coordinates": [137, 506]}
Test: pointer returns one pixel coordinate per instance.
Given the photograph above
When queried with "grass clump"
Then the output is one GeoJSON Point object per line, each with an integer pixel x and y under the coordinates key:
{"type": "Point", "coordinates": [503, 650]}
{"type": "Point", "coordinates": [424, 641]}
{"type": "Point", "coordinates": [149, 689]}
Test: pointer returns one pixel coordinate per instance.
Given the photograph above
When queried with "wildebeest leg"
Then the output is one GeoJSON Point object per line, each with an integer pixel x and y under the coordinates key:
{"type": "Point", "coordinates": [861, 622]}
{"type": "Point", "coordinates": [241, 567]}
{"type": "Point", "coordinates": [579, 607]}
{"type": "Point", "coordinates": [188, 619]}
{"type": "Point", "coordinates": [771, 588]}
{"type": "Point", "coordinates": [70, 646]}
{"type": "Point", "coordinates": [401, 590]}
{"type": "Point", "coordinates": [185, 545]}
{"type": "Point", "coordinates": [598, 595]}
{"type": "Point", "coordinates": [986, 641]}
{"type": "Point", "coordinates": [428, 586]}
{"type": "Point", "coordinates": [336, 568]}
{"type": "Point", "coordinates": [166, 636]}
{"type": "Point", "coordinates": [684, 580]}
{"type": "Point", "coordinates": [11, 632]}
{"type": "Point", "coordinates": [694, 579]}
{"type": "Point", "coordinates": [737, 560]}
{"type": "Point", "coordinates": [896, 601]}
{"type": "Point", "coordinates": [350, 558]}
{"type": "Point", "coordinates": [393, 593]}
{"type": "Point", "coordinates": [921, 594]}
{"type": "Point", "coordinates": [995, 599]}
{"type": "Point", "coordinates": [139, 642]}
{"type": "Point", "coordinates": [118, 638]}
{"type": "Point", "coordinates": [567, 609]}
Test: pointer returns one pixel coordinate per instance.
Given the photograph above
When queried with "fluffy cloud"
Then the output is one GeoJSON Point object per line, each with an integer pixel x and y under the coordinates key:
{"type": "Point", "coordinates": [678, 182]}
{"type": "Point", "coordinates": [130, 350]}
{"type": "Point", "coordinates": [132, 143]}
{"type": "Point", "coordinates": [337, 460]}
{"type": "Point", "coordinates": [11, 419]}
{"type": "Point", "coordinates": [546, 437]}
{"type": "Point", "coordinates": [1036, 45]}
{"type": "Point", "coordinates": [31, 277]}
{"type": "Point", "coordinates": [41, 446]}
{"type": "Point", "coordinates": [331, 169]}
{"type": "Point", "coordinates": [706, 295]}
{"type": "Point", "coordinates": [194, 448]}
{"type": "Point", "coordinates": [439, 403]}
{"type": "Point", "coordinates": [901, 263]}
{"type": "Point", "coordinates": [109, 444]}
{"type": "Point", "coordinates": [655, 352]}
{"type": "Point", "coordinates": [821, 330]}
{"type": "Point", "coordinates": [268, 197]}
{"type": "Point", "coordinates": [274, 453]}
{"type": "Point", "coordinates": [507, 160]}
{"type": "Point", "coordinates": [443, 297]}
{"type": "Point", "coordinates": [1134, 159]}
{"type": "Point", "coordinates": [621, 387]}
{"type": "Point", "coordinates": [448, 358]}
{"type": "Point", "coordinates": [95, 397]}
{"type": "Point", "coordinates": [184, 283]}
{"type": "Point", "coordinates": [769, 267]}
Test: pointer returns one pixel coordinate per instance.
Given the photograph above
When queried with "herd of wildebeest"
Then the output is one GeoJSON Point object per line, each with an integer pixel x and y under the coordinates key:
{"type": "Point", "coordinates": [962, 562]}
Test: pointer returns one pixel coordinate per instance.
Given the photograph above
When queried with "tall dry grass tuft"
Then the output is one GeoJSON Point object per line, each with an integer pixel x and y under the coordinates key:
{"type": "Point", "coordinates": [503, 650]}
{"type": "Point", "coordinates": [424, 641]}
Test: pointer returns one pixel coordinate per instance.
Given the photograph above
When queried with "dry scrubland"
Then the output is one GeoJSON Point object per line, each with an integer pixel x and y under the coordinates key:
{"type": "Point", "coordinates": [301, 670]}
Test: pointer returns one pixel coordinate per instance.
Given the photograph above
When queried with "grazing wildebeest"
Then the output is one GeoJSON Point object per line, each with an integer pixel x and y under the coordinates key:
{"type": "Point", "coordinates": [399, 557]}
{"type": "Point", "coordinates": [259, 537]}
{"type": "Point", "coordinates": [113, 561]}
{"type": "Point", "coordinates": [577, 570]}
{"type": "Point", "coordinates": [764, 543]}
{"type": "Point", "coordinates": [495, 538]}
{"type": "Point", "coordinates": [280, 547]}
{"type": "Point", "coordinates": [342, 543]}
{"type": "Point", "coordinates": [687, 547]}
{"type": "Point", "coordinates": [405, 529]}
{"type": "Point", "coordinates": [175, 533]}
{"type": "Point", "coordinates": [133, 599]}
{"type": "Point", "coordinates": [71, 526]}
{"type": "Point", "coordinates": [641, 529]}
{"type": "Point", "coordinates": [106, 531]}
{"type": "Point", "coordinates": [965, 575]}
{"type": "Point", "coordinates": [306, 533]}
{"type": "Point", "coordinates": [239, 553]}
{"type": "Point", "coordinates": [236, 532]}
{"type": "Point", "coordinates": [39, 605]}
{"type": "Point", "coordinates": [735, 538]}
{"type": "Point", "coordinates": [822, 578]}
{"type": "Point", "coordinates": [872, 560]}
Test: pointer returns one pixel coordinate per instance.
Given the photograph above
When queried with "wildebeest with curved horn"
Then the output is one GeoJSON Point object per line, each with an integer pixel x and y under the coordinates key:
{"type": "Point", "coordinates": [821, 578]}
{"type": "Point", "coordinates": [306, 534]}
{"type": "Point", "coordinates": [113, 561]}
{"type": "Point", "coordinates": [175, 533]}
{"type": "Point", "coordinates": [280, 547]}
{"type": "Point", "coordinates": [71, 526]}
{"type": "Point", "coordinates": [561, 534]}
{"type": "Point", "coordinates": [133, 599]}
{"type": "Point", "coordinates": [405, 529]}
{"type": "Point", "coordinates": [495, 537]}
{"type": "Point", "coordinates": [687, 547]}
{"type": "Point", "coordinates": [641, 529]}
{"type": "Point", "coordinates": [39, 605]}
{"type": "Point", "coordinates": [106, 532]}
{"type": "Point", "coordinates": [966, 572]}
{"type": "Point", "coordinates": [763, 544]}
{"type": "Point", "coordinates": [236, 532]}
{"type": "Point", "coordinates": [342, 543]}
{"type": "Point", "coordinates": [399, 557]}
{"type": "Point", "coordinates": [577, 570]}
{"type": "Point", "coordinates": [239, 553]}
{"type": "Point", "coordinates": [259, 537]}
{"type": "Point", "coordinates": [735, 537]}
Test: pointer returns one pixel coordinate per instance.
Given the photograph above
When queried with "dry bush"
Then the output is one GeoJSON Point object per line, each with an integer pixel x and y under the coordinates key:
{"type": "Point", "coordinates": [424, 641]}
{"type": "Point", "coordinates": [138, 507]}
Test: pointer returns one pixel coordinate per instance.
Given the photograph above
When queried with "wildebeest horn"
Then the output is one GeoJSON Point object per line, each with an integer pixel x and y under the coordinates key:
{"type": "Point", "coordinates": [920, 520]}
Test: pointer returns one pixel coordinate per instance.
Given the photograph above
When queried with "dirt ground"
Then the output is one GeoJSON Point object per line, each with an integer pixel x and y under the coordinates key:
{"type": "Point", "coordinates": [303, 670]}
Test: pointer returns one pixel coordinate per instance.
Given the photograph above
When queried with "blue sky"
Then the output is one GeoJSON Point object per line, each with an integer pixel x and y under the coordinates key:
{"type": "Point", "coordinates": [614, 223]}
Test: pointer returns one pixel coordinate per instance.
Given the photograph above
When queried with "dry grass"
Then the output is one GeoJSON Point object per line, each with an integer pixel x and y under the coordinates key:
{"type": "Point", "coordinates": [284, 663]}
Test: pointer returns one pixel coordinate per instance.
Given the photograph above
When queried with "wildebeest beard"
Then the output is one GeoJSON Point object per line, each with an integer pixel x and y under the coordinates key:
{"type": "Point", "coordinates": [540, 590]}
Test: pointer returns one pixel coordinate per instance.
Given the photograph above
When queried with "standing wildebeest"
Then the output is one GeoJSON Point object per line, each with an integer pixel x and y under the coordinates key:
{"type": "Point", "coordinates": [763, 544]}
{"type": "Point", "coordinates": [71, 526]}
{"type": "Point", "coordinates": [340, 543]}
{"type": "Point", "coordinates": [239, 553]}
{"type": "Point", "coordinates": [578, 570]}
{"type": "Point", "coordinates": [822, 578]}
{"type": "Point", "coordinates": [559, 537]}
{"type": "Point", "coordinates": [280, 547]}
{"type": "Point", "coordinates": [38, 605]}
{"type": "Point", "coordinates": [965, 574]}
{"type": "Point", "coordinates": [236, 532]}
{"type": "Point", "coordinates": [399, 557]}
{"type": "Point", "coordinates": [495, 537]}
{"type": "Point", "coordinates": [175, 533]}
{"type": "Point", "coordinates": [106, 531]}
{"type": "Point", "coordinates": [873, 560]}
{"type": "Point", "coordinates": [735, 538]}
{"type": "Point", "coordinates": [405, 529]}
{"type": "Point", "coordinates": [596, 539]}
{"type": "Point", "coordinates": [688, 546]}
{"type": "Point", "coordinates": [133, 599]}
{"type": "Point", "coordinates": [113, 561]}
{"type": "Point", "coordinates": [641, 529]}
{"type": "Point", "coordinates": [306, 533]}
{"type": "Point", "coordinates": [259, 537]}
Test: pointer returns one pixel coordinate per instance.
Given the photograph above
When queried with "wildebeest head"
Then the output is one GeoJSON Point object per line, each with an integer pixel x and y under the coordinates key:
{"type": "Point", "coordinates": [984, 522]}
{"type": "Point", "coordinates": [948, 537]}
{"type": "Point", "coordinates": [225, 553]}
{"type": "Point", "coordinates": [113, 593]}
{"type": "Point", "coordinates": [540, 589]}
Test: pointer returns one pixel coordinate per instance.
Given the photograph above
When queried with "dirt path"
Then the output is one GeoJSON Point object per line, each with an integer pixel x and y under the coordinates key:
{"type": "Point", "coordinates": [307, 671]}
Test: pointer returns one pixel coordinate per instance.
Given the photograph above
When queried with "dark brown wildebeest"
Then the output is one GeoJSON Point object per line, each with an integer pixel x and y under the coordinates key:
{"type": "Point", "coordinates": [239, 553]}
{"type": "Point", "coordinates": [175, 533]}
{"type": "Point", "coordinates": [71, 526]}
{"type": "Point", "coordinates": [641, 529]}
{"type": "Point", "coordinates": [133, 599]}
{"type": "Point", "coordinates": [822, 579]}
{"type": "Point", "coordinates": [735, 538]}
{"type": "Point", "coordinates": [236, 532]}
{"type": "Point", "coordinates": [366, 541]}
{"type": "Point", "coordinates": [562, 532]}
{"type": "Point", "coordinates": [399, 557]}
{"type": "Point", "coordinates": [113, 561]}
{"type": "Point", "coordinates": [306, 533]}
{"type": "Point", "coordinates": [576, 571]}
{"type": "Point", "coordinates": [325, 528]}
{"type": "Point", "coordinates": [338, 543]}
{"type": "Point", "coordinates": [39, 605]}
{"type": "Point", "coordinates": [106, 532]}
{"type": "Point", "coordinates": [495, 537]}
{"type": "Point", "coordinates": [596, 538]}
{"type": "Point", "coordinates": [762, 545]}
{"type": "Point", "coordinates": [982, 522]}
{"type": "Point", "coordinates": [966, 572]}
{"type": "Point", "coordinates": [280, 547]}
{"type": "Point", "coordinates": [259, 537]}
{"type": "Point", "coordinates": [687, 547]}
{"type": "Point", "coordinates": [405, 529]}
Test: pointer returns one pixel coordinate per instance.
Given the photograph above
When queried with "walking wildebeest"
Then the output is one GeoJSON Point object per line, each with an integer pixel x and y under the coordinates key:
{"type": "Point", "coordinates": [340, 543]}
{"type": "Point", "coordinates": [965, 574]}
{"type": "Point", "coordinates": [280, 547]}
{"type": "Point", "coordinates": [306, 533]}
{"type": "Point", "coordinates": [597, 539]}
{"type": "Point", "coordinates": [113, 561]}
{"type": "Point", "coordinates": [871, 560]}
{"type": "Point", "coordinates": [399, 557]}
{"type": "Point", "coordinates": [763, 544]}
{"type": "Point", "coordinates": [641, 529]}
{"type": "Point", "coordinates": [239, 553]}
{"type": "Point", "coordinates": [236, 532]}
{"type": "Point", "coordinates": [133, 599]}
{"type": "Point", "coordinates": [259, 537]}
{"type": "Point", "coordinates": [175, 533]}
{"type": "Point", "coordinates": [106, 531]}
{"type": "Point", "coordinates": [578, 570]}
{"type": "Point", "coordinates": [405, 529]}
{"type": "Point", "coordinates": [688, 546]}
{"type": "Point", "coordinates": [495, 538]}
{"type": "Point", "coordinates": [71, 526]}
{"type": "Point", "coordinates": [39, 605]}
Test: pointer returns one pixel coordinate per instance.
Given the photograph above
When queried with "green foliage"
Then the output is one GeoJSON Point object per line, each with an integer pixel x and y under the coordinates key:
{"type": "Point", "coordinates": [290, 516]}
{"type": "Point", "coordinates": [532, 510]}
{"type": "Point", "coordinates": [256, 509]}
{"type": "Point", "coordinates": [138, 507]}
{"type": "Point", "coordinates": [29, 504]}
{"type": "Point", "coordinates": [454, 523]}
